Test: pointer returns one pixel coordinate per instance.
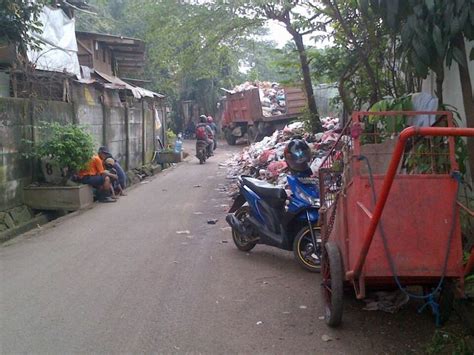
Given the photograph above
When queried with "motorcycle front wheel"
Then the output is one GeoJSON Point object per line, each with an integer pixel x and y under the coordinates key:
{"type": "Point", "coordinates": [308, 255]}
{"type": "Point", "coordinates": [241, 242]}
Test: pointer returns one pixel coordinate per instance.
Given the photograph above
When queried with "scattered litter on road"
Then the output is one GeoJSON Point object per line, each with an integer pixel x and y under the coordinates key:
{"type": "Point", "coordinates": [303, 307]}
{"type": "Point", "coordinates": [326, 338]}
{"type": "Point", "coordinates": [259, 322]}
{"type": "Point", "coordinates": [286, 312]}
{"type": "Point", "coordinates": [190, 236]}
{"type": "Point", "coordinates": [321, 318]}
{"type": "Point", "coordinates": [164, 190]}
{"type": "Point", "coordinates": [145, 182]}
{"type": "Point", "coordinates": [265, 282]}
{"type": "Point", "coordinates": [226, 229]}
{"type": "Point", "coordinates": [224, 205]}
{"type": "Point", "coordinates": [183, 232]}
{"type": "Point", "coordinates": [212, 221]}
{"type": "Point", "coordinates": [198, 213]}
{"type": "Point", "coordinates": [176, 262]}
{"type": "Point", "coordinates": [224, 241]}
{"type": "Point", "coordinates": [389, 302]}
{"type": "Point", "coordinates": [197, 186]}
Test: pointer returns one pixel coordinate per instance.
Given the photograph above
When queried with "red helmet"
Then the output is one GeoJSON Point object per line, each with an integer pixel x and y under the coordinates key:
{"type": "Point", "coordinates": [297, 155]}
{"type": "Point", "coordinates": [210, 119]}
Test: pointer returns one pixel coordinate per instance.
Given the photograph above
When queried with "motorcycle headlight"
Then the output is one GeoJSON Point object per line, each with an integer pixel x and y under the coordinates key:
{"type": "Point", "coordinates": [313, 201]}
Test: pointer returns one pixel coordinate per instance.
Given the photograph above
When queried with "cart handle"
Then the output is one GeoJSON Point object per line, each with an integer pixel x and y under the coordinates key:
{"type": "Point", "coordinates": [387, 184]}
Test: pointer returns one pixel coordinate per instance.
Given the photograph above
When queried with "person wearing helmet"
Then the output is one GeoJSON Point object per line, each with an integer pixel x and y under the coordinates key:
{"type": "Point", "coordinates": [210, 122]}
{"type": "Point", "coordinates": [204, 132]}
{"type": "Point", "coordinates": [298, 156]}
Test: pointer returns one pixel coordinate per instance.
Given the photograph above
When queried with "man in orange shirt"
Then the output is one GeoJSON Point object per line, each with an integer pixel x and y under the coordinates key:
{"type": "Point", "coordinates": [96, 176]}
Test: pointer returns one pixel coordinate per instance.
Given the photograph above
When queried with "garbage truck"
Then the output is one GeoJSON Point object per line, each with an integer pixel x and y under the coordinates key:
{"type": "Point", "coordinates": [255, 112]}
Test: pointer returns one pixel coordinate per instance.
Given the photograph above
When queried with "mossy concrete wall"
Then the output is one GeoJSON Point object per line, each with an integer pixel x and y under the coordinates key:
{"type": "Point", "coordinates": [15, 170]}
{"type": "Point", "coordinates": [128, 133]}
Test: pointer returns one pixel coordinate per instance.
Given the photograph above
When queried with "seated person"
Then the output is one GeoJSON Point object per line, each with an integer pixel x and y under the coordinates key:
{"type": "Point", "coordinates": [122, 178]}
{"type": "Point", "coordinates": [115, 188]}
{"type": "Point", "coordinates": [96, 176]}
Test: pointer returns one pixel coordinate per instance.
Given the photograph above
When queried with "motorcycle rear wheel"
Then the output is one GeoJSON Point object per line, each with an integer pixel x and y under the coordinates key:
{"type": "Point", "coordinates": [240, 241]}
{"type": "Point", "coordinates": [303, 249]}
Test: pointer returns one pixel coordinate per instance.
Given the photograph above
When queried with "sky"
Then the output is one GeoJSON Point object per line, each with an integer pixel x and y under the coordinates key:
{"type": "Point", "coordinates": [280, 35]}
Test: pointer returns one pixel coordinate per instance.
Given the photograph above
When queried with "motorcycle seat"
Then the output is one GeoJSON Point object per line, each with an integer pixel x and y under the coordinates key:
{"type": "Point", "coordinates": [265, 190]}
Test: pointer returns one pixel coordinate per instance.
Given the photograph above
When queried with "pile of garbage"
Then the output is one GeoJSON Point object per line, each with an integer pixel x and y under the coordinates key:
{"type": "Point", "coordinates": [264, 160]}
{"type": "Point", "coordinates": [272, 96]}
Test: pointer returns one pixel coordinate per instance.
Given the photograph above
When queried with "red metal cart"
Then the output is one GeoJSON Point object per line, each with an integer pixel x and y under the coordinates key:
{"type": "Point", "coordinates": [390, 210]}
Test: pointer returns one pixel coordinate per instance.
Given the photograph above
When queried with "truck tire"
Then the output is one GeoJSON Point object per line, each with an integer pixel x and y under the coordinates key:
{"type": "Point", "coordinates": [229, 137]}
{"type": "Point", "coordinates": [252, 133]}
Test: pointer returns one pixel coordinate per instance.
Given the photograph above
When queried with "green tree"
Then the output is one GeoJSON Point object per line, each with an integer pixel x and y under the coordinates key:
{"type": "Point", "coordinates": [18, 18]}
{"type": "Point", "coordinates": [363, 59]}
{"type": "Point", "coordinates": [293, 14]}
{"type": "Point", "coordinates": [433, 35]}
{"type": "Point", "coordinates": [193, 49]}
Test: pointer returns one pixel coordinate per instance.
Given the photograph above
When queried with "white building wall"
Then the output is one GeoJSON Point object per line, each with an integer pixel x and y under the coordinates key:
{"type": "Point", "coordinates": [452, 93]}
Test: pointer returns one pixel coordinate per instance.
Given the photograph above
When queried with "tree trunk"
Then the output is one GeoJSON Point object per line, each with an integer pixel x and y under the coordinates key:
{"type": "Point", "coordinates": [346, 102]}
{"type": "Point", "coordinates": [468, 101]}
{"type": "Point", "coordinates": [308, 86]}
{"type": "Point", "coordinates": [439, 82]}
{"type": "Point", "coordinates": [362, 53]}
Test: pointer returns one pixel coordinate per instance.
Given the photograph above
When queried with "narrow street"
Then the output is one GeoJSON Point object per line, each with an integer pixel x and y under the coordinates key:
{"type": "Point", "coordinates": [119, 278]}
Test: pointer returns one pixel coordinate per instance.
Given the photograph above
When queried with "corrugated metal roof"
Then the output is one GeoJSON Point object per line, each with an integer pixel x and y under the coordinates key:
{"type": "Point", "coordinates": [116, 83]}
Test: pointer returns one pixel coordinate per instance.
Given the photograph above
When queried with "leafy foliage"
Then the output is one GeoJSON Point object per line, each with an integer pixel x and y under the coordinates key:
{"type": "Point", "coordinates": [430, 32]}
{"type": "Point", "coordinates": [70, 146]}
{"type": "Point", "coordinates": [193, 49]}
{"type": "Point", "coordinates": [17, 19]}
{"type": "Point", "coordinates": [364, 58]}
{"type": "Point", "coordinates": [299, 18]}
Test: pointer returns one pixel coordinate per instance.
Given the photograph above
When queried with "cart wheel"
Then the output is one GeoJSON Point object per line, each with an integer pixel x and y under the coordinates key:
{"type": "Point", "coordinates": [332, 285]}
{"type": "Point", "coordinates": [252, 133]}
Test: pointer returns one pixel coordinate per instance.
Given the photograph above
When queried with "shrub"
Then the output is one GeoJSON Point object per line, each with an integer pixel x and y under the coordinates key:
{"type": "Point", "coordinates": [70, 146]}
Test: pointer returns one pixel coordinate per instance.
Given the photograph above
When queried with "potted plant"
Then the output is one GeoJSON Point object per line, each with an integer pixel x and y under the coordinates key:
{"type": "Point", "coordinates": [63, 150]}
{"type": "Point", "coordinates": [168, 155]}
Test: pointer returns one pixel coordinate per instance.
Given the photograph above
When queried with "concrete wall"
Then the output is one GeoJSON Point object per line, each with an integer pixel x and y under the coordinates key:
{"type": "Point", "coordinates": [113, 126]}
{"type": "Point", "coordinates": [15, 170]}
{"type": "Point", "coordinates": [149, 135]}
{"type": "Point", "coordinates": [116, 133]}
{"type": "Point", "coordinates": [19, 122]}
{"type": "Point", "coordinates": [135, 138]}
{"type": "Point", "coordinates": [452, 92]}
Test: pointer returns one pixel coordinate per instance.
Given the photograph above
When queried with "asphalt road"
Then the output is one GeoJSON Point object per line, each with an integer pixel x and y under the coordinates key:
{"type": "Point", "coordinates": [119, 278]}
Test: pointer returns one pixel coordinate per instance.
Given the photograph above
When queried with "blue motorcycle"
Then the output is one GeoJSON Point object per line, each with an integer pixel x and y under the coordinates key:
{"type": "Point", "coordinates": [263, 214]}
